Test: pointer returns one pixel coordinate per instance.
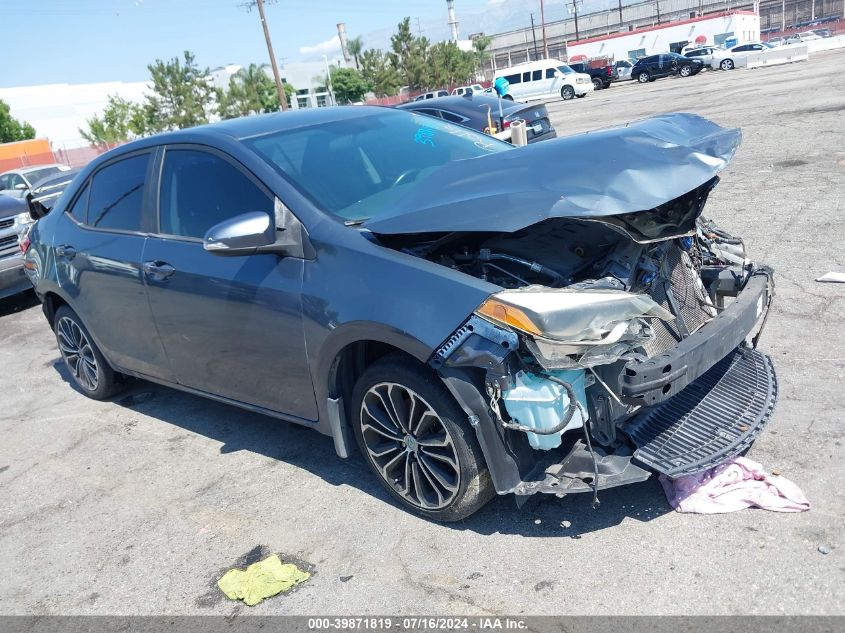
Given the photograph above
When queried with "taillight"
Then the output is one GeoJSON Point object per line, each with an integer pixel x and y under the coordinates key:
{"type": "Point", "coordinates": [609, 70]}
{"type": "Point", "coordinates": [506, 124]}
{"type": "Point", "coordinates": [24, 244]}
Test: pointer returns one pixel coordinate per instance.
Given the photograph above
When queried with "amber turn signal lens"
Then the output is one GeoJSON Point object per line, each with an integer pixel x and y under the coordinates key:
{"type": "Point", "coordinates": [506, 314]}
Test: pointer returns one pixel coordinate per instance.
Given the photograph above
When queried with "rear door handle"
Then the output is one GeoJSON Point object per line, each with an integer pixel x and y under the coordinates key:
{"type": "Point", "coordinates": [158, 270]}
{"type": "Point", "coordinates": [66, 251]}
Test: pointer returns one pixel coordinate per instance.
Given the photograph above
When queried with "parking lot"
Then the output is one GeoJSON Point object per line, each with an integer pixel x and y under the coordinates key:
{"type": "Point", "coordinates": [137, 506]}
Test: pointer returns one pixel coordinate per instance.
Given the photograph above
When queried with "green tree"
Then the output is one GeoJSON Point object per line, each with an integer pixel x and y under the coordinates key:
{"type": "Point", "coordinates": [114, 125]}
{"type": "Point", "coordinates": [480, 45]}
{"type": "Point", "coordinates": [349, 85]}
{"type": "Point", "coordinates": [355, 46]}
{"type": "Point", "coordinates": [183, 95]}
{"type": "Point", "coordinates": [410, 56]}
{"type": "Point", "coordinates": [380, 73]}
{"type": "Point", "coordinates": [10, 128]}
{"type": "Point", "coordinates": [250, 91]}
{"type": "Point", "coordinates": [450, 65]}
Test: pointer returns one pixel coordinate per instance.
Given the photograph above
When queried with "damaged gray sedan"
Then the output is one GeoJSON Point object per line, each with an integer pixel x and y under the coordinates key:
{"type": "Point", "coordinates": [477, 318]}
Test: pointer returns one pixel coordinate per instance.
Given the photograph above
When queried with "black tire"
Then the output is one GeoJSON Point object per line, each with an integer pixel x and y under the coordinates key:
{"type": "Point", "coordinates": [567, 93]}
{"type": "Point", "coordinates": [508, 98]}
{"type": "Point", "coordinates": [643, 77]}
{"type": "Point", "coordinates": [435, 467]}
{"type": "Point", "coordinates": [597, 83]}
{"type": "Point", "coordinates": [581, 96]}
{"type": "Point", "coordinates": [685, 70]}
{"type": "Point", "coordinates": [726, 64]}
{"type": "Point", "coordinates": [89, 370]}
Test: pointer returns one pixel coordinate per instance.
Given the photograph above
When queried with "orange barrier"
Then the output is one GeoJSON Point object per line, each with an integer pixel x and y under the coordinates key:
{"type": "Point", "coordinates": [23, 153]}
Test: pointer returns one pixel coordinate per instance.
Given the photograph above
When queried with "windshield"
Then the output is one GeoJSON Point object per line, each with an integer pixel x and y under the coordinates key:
{"type": "Point", "coordinates": [37, 174]}
{"type": "Point", "coordinates": [356, 168]}
{"type": "Point", "coordinates": [566, 70]}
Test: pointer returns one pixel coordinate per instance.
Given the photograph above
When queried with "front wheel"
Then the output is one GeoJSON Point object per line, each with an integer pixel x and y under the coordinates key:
{"type": "Point", "coordinates": [643, 78]}
{"type": "Point", "coordinates": [88, 368]}
{"type": "Point", "coordinates": [727, 64]}
{"type": "Point", "coordinates": [567, 93]}
{"type": "Point", "coordinates": [581, 96]}
{"type": "Point", "coordinates": [685, 71]}
{"type": "Point", "coordinates": [418, 441]}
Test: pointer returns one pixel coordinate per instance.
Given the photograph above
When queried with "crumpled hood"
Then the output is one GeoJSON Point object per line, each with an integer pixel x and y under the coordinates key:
{"type": "Point", "coordinates": [596, 174]}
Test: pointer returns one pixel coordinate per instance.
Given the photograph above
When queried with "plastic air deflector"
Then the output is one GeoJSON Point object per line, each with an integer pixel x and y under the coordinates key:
{"type": "Point", "coordinates": [714, 418]}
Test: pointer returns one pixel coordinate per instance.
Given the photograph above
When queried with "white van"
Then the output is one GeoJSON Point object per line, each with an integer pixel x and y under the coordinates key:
{"type": "Point", "coordinates": [544, 79]}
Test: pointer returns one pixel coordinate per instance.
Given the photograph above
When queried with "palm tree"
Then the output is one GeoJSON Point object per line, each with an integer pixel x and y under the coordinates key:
{"type": "Point", "coordinates": [355, 46]}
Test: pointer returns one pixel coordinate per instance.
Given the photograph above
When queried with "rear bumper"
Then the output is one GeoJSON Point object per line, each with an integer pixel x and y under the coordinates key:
{"type": "Point", "coordinates": [12, 277]}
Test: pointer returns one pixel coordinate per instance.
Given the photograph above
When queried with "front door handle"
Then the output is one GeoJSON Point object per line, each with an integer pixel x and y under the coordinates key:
{"type": "Point", "coordinates": [158, 270]}
{"type": "Point", "coordinates": [66, 251]}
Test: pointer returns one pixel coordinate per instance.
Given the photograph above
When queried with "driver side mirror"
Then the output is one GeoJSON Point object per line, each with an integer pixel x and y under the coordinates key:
{"type": "Point", "coordinates": [20, 186]}
{"type": "Point", "coordinates": [245, 234]}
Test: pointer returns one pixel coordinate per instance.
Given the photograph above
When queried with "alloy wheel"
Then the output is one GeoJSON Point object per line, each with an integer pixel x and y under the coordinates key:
{"type": "Point", "coordinates": [727, 64]}
{"type": "Point", "coordinates": [685, 71]}
{"type": "Point", "coordinates": [78, 354]}
{"type": "Point", "coordinates": [643, 78]}
{"type": "Point", "coordinates": [410, 446]}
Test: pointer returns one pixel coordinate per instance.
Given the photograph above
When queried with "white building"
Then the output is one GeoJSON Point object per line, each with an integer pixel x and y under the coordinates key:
{"type": "Point", "coordinates": [57, 111]}
{"type": "Point", "coordinates": [722, 29]}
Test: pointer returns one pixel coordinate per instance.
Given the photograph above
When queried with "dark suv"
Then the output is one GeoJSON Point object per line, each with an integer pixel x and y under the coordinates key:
{"type": "Point", "coordinates": [663, 65]}
{"type": "Point", "coordinates": [480, 318]}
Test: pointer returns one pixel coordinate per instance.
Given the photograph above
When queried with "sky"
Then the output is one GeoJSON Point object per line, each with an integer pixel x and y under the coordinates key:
{"type": "Point", "coordinates": [80, 41]}
{"type": "Point", "coordinates": [84, 41]}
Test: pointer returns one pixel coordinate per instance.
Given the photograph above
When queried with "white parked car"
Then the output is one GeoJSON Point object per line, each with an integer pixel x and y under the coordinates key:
{"type": "Point", "coordinates": [545, 79]}
{"type": "Point", "coordinates": [465, 90]}
{"type": "Point", "coordinates": [432, 95]}
{"type": "Point", "coordinates": [17, 182]}
{"type": "Point", "coordinates": [727, 59]}
{"type": "Point", "coordinates": [704, 53]}
{"type": "Point", "coordinates": [801, 38]}
{"type": "Point", "coordinates": [623, 70]}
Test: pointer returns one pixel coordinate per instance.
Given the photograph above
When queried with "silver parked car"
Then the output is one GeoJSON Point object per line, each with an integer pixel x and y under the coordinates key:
{"type": "Point", "coordinates": [17, 182]}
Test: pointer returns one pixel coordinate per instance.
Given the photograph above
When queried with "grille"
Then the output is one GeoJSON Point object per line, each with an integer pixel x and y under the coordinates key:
{"type": "Point", "coordinates": [689, 296]}
{"type": "Point", "coordinates": [9, 245]}
{"type": "Point", "coordinates": [5, 223]}
{"type": "Point", "coordinates": [714, 418]}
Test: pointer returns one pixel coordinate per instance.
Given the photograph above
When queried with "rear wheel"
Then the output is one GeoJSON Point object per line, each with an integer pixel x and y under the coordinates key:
{"type": "Point", "coordinates": [581, 96]}
{"type": "Point", "coordinates": [567, 93]}
{"type": "Point", "coordinates": [418, 441]}
{"type": "Point", "coordinates": [726, 64]}
{"type": "Point", "coordinates": [597, 84]}
{"type": "Point", "coordinates": [508, 98]}
{"type": "Point", "coordinates": [88, 369]}
{"type": "Point", "coordinates": [685, 71]}
{"type": "Point", "coordinates": [643, 77]}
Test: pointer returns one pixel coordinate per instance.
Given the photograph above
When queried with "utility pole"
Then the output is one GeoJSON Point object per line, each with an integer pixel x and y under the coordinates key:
{"type": "Point", "coordinates": [283, 102]}
{"type": "Point", "coordinates": [575, 9]}
{"type": "Point", "coordinates": [534, 35]}
{"type": "Point", "coordinates": [543, 22]}
{"type": "Point", "coordinates": [657, 2]}
{"type": "Point", "coordinates": [620, 14]}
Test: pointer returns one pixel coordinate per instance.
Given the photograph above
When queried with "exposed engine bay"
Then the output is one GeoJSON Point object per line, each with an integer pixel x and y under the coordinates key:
{"type": "Point", "coordinates": [600, 324]}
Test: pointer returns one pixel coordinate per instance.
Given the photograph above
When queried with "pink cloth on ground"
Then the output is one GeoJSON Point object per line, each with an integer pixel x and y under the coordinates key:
{"type": "Point", "coordinates": [736, 484]}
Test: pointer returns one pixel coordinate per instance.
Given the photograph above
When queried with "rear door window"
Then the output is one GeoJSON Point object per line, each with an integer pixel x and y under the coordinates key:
{"type": "Point", "coordinates": [537, 75]}
{"type": "Point", "coordinates": [117, 193]}
{"type": "Point", "coordinates": [200, 189]}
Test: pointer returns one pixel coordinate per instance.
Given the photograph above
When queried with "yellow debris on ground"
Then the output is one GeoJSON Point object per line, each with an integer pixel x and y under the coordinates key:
{"type": "Point", "coordinates": [261, 580]}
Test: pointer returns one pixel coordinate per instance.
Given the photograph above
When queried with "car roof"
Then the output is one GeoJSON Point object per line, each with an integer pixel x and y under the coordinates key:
{"type": "Point", "coordinates": [469, 102]}
{"type": "Point", "coordinates": [542, 63]}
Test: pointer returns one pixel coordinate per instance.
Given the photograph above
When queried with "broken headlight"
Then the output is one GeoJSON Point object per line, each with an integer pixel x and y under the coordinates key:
{"type": "Point", "coordinates": [570, 327]}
